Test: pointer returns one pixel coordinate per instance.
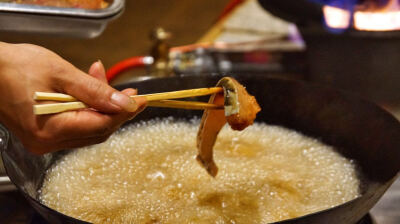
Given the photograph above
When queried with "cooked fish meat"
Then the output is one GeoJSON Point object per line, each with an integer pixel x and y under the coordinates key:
{"type": "Point", "coordinates": [240, 109]}
{"type": "Point", "coordinates": [211, 123]}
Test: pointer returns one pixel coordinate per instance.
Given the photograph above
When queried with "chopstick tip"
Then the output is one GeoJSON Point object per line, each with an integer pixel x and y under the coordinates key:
{"type": "Point", "coordinates": [35, 95]}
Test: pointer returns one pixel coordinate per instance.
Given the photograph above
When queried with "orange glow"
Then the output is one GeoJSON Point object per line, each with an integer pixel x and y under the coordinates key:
{"type": "Point", "coordinates": [368, 17]}
{"type": "Point", "coordinates": [385, 19]}
{"type": "Point", "coordinates": [336, 17]}
{"type": "Point", "coordinates": [377, 21]}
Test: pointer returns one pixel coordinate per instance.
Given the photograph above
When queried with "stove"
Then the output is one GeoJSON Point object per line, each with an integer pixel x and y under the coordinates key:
{"type": "Point", "coordinates": [351, 44]}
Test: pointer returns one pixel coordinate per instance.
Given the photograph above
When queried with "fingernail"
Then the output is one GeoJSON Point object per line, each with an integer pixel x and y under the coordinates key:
{"type": "Point", "coordinates": [124, 101]}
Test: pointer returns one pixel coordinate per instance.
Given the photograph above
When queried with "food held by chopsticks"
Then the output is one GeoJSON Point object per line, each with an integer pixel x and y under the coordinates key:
{"type": "Point", "coordinates": [240, 111]}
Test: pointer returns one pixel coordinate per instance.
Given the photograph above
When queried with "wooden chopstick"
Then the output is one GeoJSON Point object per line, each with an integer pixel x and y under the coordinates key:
{"type": "Point", "coordinates": [53, 97]}
{"type": "Point", "coordinates": [54, 108]}
{"type": "Point", "coordinates": [149, 97]}
{"type": "Point", "coordinates": [154, 100]}
{"type": "Point", "coordinates": [190, 105]}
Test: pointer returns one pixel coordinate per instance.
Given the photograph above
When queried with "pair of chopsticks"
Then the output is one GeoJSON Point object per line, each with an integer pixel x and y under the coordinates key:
{"type": "Point", "coordinates": [154, 100]}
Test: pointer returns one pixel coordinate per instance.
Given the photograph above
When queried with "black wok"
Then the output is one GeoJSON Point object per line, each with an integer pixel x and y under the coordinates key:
{"type": "Point", "coordinates": [358, 129]}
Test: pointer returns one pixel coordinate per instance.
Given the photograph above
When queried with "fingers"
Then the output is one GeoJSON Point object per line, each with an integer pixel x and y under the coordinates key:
{"type": "Point", "coordinates": [97, 94]}
{"type": "Point", "coordinates": [88, 126]}
{"type": "Point", "coordinates": [78, 125]}
{"type": "Point", "coordinates": [98, 71]}
{"type": "Point", "coordinates": [139, 100]}
{"type": "Point", "coordinates": [83, 142]}
{"type": "Point", "coordinates": [83, 124]}
{"type": "Point", "coordinates": [78, 129]}
{"type": "Point", "coordinates": [41, 149]}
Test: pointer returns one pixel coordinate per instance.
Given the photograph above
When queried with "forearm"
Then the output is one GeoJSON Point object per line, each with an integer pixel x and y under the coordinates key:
{"type": "Point", "coordinates": [4, 48]}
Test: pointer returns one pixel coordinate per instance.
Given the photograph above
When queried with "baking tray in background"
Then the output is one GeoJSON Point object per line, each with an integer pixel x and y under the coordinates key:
{"type": "Point", "coordinates": [74, 22]}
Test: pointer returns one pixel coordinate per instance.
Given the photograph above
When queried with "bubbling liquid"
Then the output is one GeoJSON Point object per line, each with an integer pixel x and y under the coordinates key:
{"type": "Point", "coordinates": [147, 173]}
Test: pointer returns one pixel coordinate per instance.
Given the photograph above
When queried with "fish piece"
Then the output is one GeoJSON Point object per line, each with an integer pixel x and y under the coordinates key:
{"type": "Point", "coordinates": [211, 123]}
{"type": "Point", "coordinates": [240, 109]}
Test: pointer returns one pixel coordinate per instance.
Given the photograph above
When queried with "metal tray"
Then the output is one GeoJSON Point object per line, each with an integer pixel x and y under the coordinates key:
{"type": "Point", "coordinates": [74, 22]}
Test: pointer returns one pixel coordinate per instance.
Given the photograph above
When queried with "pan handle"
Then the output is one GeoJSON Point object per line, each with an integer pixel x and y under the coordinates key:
{"type": "Point", "coordinates": [4, 136]}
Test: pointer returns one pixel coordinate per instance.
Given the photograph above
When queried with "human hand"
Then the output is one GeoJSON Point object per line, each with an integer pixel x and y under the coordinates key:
{"type": "Point", "coordinates": [26, 68]}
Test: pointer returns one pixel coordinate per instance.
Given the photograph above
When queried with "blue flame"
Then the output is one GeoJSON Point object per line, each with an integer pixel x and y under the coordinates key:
{"type": "Point", "coordinates": [346, 4]}
{"type": "Point", "coordinates": [343, 4]}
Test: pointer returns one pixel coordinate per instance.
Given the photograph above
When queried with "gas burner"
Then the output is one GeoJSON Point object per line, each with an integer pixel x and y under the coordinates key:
{"type": "Point", "coordinates": [359, 56]}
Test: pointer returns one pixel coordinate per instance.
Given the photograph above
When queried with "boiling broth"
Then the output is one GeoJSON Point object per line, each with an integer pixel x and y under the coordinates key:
{"type": "Point", "coordinates": [147, 173]}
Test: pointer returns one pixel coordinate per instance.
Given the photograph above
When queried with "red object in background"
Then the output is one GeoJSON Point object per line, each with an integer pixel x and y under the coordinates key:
{"type": "Point", "coordinates": [124, 65]}
{"type": "Point", "coordinates": [135, 62]}
{"type": "Point", "coordinates": [258, 57]}
{"type": "Point", "coordinates": [228, 8]}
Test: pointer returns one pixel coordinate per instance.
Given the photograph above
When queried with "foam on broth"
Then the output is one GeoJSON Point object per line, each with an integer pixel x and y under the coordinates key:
{"type": "Point", "coordinates": [147, 173]}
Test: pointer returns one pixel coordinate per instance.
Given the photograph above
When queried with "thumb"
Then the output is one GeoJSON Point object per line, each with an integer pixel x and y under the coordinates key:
{"type": "Point", "coordinates": [97, 94]}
